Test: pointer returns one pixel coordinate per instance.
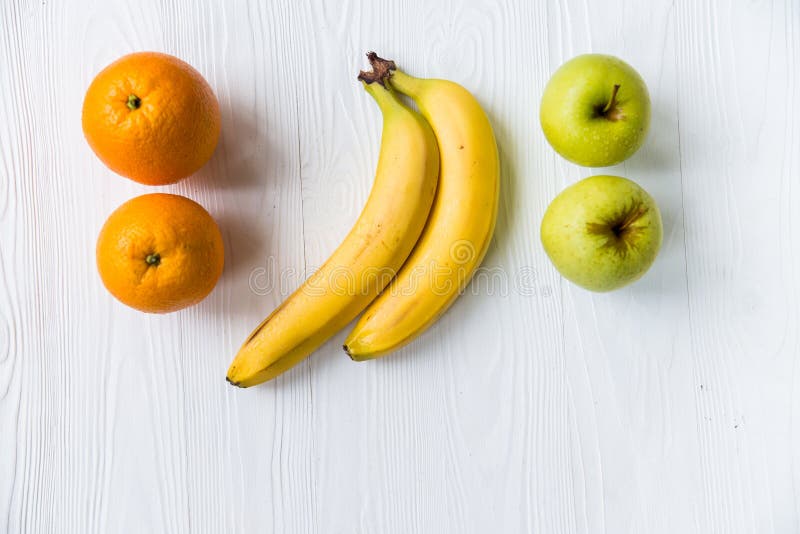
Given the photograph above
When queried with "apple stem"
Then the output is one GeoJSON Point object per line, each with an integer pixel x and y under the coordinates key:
{"type": "Point", "coordinates": [613, 101]}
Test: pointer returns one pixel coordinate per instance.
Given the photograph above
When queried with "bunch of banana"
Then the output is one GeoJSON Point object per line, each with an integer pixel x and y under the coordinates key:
{"type": "Point", "coordinates": [380, 241]}
{"type": "Point", "coordinates": [433, 237]}
{"type": "Point", "coordinates": [460, 224]}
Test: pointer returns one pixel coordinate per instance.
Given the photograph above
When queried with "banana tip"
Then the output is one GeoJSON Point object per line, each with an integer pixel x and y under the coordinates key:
{"type": "Point", "coordinates": [353, 355]}
{"type": "Point", "coordinates": [347, 351]}
{"type": "Point", "coordinates": [231, 382]}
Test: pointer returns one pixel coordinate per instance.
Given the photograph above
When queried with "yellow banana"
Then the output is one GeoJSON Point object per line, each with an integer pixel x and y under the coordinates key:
{"type": "Point", "coordinates": [373, 251]}
{"type": "Point", "coordinates": [459, 227]}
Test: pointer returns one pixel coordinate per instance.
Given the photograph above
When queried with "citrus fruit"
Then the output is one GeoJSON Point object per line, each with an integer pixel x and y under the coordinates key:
{"type": "Point", "coordinates": [160, 253]}
{"type": "Point", "coordinates": [152, 118]}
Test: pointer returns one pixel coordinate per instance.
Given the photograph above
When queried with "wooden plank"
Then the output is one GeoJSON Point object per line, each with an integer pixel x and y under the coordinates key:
{"type": "Point", "coordinates": [739, 157]}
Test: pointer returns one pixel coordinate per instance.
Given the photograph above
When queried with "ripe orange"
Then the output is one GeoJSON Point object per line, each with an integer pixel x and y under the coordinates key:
{"type": "Point", "coordinates": [151, 117]}
{"type": "Point", "coordinates": [159, 253]}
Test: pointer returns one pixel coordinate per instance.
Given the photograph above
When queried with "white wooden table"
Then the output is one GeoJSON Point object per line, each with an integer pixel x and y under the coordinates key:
{"type": "Point", "coordinates": [672, 406]}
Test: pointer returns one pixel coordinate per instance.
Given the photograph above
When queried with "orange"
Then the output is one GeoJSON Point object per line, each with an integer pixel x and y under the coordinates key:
{"type": "Point", "coordinates": [151, 117]}
{"type": "Point", "coordinates": [159, 253]}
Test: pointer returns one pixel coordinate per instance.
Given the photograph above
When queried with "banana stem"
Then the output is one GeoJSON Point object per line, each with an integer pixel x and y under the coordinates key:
{"type": "Point", "coordinates": [384, 95]}
{"type": "Point", "coordinates": [408, 85]}
{"type": "Point", "coordinates": [381, 70]}
{"type": "Point", "coordinates": [384, 70]}
{"type": "Point", "coordinates": [374, 81]}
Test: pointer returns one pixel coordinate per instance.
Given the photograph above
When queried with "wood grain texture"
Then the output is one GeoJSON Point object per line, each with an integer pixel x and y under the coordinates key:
{"type": "Point", "coordinates": [532, 406]}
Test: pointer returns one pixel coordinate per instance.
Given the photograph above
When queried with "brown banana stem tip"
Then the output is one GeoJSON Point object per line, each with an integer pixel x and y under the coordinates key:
{"type": "Point", "coordinates": [381, 70]}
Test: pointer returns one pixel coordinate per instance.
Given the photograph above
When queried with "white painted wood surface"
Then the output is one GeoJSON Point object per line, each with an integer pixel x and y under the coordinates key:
{"type": "Point", "coordinates": [671, 406]}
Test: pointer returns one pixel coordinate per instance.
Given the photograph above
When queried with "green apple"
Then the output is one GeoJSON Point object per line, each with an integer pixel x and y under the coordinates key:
{"type": "Point", "coordinates": [595, 110]}
{"type": "Point", "coordinates": [602, 233]}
